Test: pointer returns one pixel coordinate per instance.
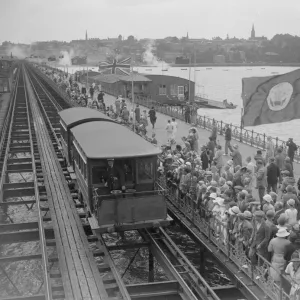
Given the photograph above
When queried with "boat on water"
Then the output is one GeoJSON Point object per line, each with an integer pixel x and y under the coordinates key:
{"type": "Point", "coordinates": [204, 102]}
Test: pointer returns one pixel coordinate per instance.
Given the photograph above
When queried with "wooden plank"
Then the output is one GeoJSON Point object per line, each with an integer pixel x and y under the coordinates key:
{"type": "Point", "coordinates": [5, 259]}
{"type": "Point", "coordinates": [79, 264]}
{"type": "Point", "coordinates": [18, 226]}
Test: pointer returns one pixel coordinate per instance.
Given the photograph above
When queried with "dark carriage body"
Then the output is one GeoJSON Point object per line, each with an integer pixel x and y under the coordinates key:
{"type": "Point", "coordinates": [134, 162]}
{"type": "Point", "coordinates": [72, 117]}
{"type": "Point", "coordinates": [91, 142]}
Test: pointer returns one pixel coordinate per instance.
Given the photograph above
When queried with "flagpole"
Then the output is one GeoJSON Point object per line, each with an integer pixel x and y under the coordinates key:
{"type": "Point", "coordinates": [190, 79]}
{"type": "Point", "coordinates": [132, 95]}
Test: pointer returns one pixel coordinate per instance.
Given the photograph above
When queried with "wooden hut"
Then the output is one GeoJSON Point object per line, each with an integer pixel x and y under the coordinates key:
{"type": "Point", "coordinates": [170, 90]}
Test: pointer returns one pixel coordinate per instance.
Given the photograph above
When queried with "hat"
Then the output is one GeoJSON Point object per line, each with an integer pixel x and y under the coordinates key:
{"type": "Point", "coordinates": [181, 161]}
{"type": "Point", "coordinates": [287, 159]}
{"type": "Point", "coordinates": [270, 213]}
{"type": "Point", "coordinates": [245, 192]}
{"type": "Point", "coordinates": [188, 164]}
{"type": "Point", "coordinates": [169, 156]}
{"type": "Point", "coordinates": [213, 195]}
{"type": "Point", "coordinates": [291, 202]}
{"type": "Point", "coordinates": [230, 162]}
{"type": "Point", "coordinates": [219, 201]}
{"type": "Point", "coordinates": [282, 232]}
{"type": "Point", "coordinates": [289, 188]}
{"type": "Point", "coordinates": [224, 187]}
{"type": "Point", "coordinates": [229, 183]}
{"type": "Point", "coordinates": [273, 194]}
{"type": "Point", "coordinates": [235, 146]}
{"type": "Point", "coordinates": [234, 210]}
{"type": "Point", "coordinates": [238, 187]}
{"type": "Point", "coordinates": [285, 172]}
{"type": "Point", "coordinates": [208, 173]}
{"type": "Point", "coordinates": [247, 215]}
{"type": "Point", "coordinates": [259, 213]}
{"type": "Point", "coordinates": [267, 198]}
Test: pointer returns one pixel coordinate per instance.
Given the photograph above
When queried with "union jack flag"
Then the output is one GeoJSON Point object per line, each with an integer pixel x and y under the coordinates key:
{"type": "Point", "coordinates": [115, 66]}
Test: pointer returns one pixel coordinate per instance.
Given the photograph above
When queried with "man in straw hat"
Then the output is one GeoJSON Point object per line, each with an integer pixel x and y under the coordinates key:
{"type": "Point", "coordinates": [277, 246]}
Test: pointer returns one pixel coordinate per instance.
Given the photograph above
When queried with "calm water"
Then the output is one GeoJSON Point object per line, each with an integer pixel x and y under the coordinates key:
{"type": "Point", "coordinates": [221, 83]}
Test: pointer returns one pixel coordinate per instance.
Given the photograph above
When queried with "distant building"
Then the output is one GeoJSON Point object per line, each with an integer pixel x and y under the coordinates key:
{"type": "Point", "coordinates": [253, 32]}
{"type": "Point", "coordinates": [254, 38]}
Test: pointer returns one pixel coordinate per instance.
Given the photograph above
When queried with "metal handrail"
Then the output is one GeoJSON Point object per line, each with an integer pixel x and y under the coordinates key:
{"type": "Point", "coordinates": [208, 225]}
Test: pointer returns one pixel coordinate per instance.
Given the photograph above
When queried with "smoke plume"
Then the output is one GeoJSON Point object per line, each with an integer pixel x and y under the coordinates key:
{"type": "Point", "coordinates": [149, 58]}
{"type": "Point", "coordinates": [66, 60]}
{"type": "Point", "coordinates": [16, 51]}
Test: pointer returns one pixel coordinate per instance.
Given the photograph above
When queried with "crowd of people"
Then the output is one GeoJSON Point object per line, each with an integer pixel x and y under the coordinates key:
{"type": "Point", "coordinates": [251, 203]}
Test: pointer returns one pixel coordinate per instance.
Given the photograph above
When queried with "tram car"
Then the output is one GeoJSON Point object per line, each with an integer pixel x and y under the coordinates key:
{"type": "Point", "coordinates": [72, 117]}
{"type": "Point", "coordinates": [115, 172]}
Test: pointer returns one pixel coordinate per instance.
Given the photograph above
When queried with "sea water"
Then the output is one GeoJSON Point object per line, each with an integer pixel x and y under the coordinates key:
{"type": "Point", "coordinates": [220, 83]}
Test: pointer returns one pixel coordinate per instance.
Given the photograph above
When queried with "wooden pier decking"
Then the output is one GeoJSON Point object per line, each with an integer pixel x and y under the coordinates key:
{"type": "Point", "coordinates": [81, 278]}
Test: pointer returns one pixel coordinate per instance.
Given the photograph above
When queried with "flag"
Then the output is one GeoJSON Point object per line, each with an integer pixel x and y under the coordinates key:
{"type": "Point", "coordinates": [115, 66]}
{"type": "Point", "coordinates": [272, 99]}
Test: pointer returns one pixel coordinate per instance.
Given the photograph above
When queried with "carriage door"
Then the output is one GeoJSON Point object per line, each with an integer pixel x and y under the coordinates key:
{"type": "Point", "coordinates": [181, 93]}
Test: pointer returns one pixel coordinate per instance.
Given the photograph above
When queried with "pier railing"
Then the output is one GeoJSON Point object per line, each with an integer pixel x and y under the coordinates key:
{"type": "Point", "coordinates": [262, 273]}
{"type": "Point", "coordinates": [245, 136]}
{"type": "Point", "coordinates": [249, 137]}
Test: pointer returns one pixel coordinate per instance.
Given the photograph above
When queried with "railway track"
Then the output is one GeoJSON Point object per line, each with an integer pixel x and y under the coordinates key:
{"type": "Point", "coordinates": [22, 189]}
{"type": "Point", "coordinates": [185, 283]}
{"type": "Point", "coordinates": [49, 106]}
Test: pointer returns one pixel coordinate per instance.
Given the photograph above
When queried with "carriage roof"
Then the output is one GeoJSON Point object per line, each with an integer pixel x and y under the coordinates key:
{"type": "Point", "coordinates": [111, 140]}
{"type": "Point", "coordinates": [78, 115]}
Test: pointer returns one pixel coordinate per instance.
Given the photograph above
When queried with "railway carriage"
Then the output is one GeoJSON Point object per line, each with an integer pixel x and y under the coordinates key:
{"type": "Point", "coordinates": [116, 174]}
{"type": "Point", "coordinates": [72, 117]}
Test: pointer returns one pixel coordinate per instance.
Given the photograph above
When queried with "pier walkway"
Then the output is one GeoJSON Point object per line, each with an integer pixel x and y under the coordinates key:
{"type": "Point", "coordinates": [161, 135]}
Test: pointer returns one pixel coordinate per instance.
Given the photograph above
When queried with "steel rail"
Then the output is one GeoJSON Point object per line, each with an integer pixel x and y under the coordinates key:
{"type": "Point", "coordinates": [9, 113]}
{"type": "Point", "coordinates": [7, 138]}
{"type": "Point", "coordinates": [10, 124]}
{"type": "Point", "coordinates": [186, 293]}
{"type": "Point", "coordinates": [43, 108]}
{"type": "Point", "coordinates": [199, 283]}
{"type": "Point", "coordinates": [48, 291]}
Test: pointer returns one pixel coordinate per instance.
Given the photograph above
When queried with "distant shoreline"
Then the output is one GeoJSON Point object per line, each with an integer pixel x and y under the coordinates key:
{"type": "Point", "coordinates": [226, 65]}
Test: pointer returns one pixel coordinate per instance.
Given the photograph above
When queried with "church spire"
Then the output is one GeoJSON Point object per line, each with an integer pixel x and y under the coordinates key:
{"type": "Point", "coordinates": [86, 36]}
{"type": "Point", "coordinates": [253, 32]}
{"type": "Point", "coordinates": [187, 35]}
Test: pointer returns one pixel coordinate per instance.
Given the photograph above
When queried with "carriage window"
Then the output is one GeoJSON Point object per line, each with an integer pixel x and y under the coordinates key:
{"type": "Point", "coordinates": [100, 175]}
{"type": "Point", "coordinates": [145, 170]}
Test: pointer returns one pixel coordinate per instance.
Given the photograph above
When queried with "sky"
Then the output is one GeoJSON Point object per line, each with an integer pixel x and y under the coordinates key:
{"type": "Point", "coordinates": [27, 21]}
